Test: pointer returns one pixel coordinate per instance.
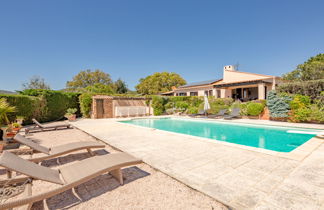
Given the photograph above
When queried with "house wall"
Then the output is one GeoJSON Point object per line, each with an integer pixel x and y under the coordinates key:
{"type": "Point", "coordinates": [236, 76]}
{"type": "Point", "coordinates": [226, 93]}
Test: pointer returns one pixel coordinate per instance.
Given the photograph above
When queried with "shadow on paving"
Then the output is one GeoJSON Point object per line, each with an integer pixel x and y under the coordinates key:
{"type": "Point", "coordinates": [93, 188]}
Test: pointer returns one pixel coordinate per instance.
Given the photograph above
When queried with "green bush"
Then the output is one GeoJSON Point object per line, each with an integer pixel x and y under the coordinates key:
{"type": "Point", "coordinates": [158, 103]}
{"type": "Point", "coordinates": [300, 101]}
{"type": "Point", "coordinates": [254, 108]}
{"type": "Point", "coordinates": [192, 110]}
{"type": "Point", "coordinates": [181, 105]}
{"type": "Point", "coordinates": [56, 103]}
{"type": "Point", "coordinates": [300, 115]}
{"type": "Point", "coordinates": [243, 109]}
{"type": "Point", "coordinates": [26, 106]}
{"type": "Point", "coordinates": [316, 113]}
{"type": "Point", "coordinates": [85, 104]}
{"type": "Point", "coordinates": [312, 88]}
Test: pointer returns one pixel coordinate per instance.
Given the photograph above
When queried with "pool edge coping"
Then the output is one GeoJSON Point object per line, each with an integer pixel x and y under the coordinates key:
{"type": "Point", "coordinates": [298, 154]}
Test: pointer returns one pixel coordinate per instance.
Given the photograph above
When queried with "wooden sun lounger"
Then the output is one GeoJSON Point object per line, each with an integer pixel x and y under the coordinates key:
{"type": "Point", "coordinates": [40, 127]}
{"type": "Point", "coordinates": [66, 177]}
{"type": "Point", "coordinates": [58, 150]}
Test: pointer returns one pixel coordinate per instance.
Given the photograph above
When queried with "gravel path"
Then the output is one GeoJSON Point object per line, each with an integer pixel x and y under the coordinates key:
{"type": "Point", "coordinates": [144, 188]}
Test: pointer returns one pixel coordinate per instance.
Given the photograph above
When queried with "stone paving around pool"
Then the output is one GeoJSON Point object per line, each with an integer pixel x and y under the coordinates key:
{"type": "Point", "coordinates": [239, 178]}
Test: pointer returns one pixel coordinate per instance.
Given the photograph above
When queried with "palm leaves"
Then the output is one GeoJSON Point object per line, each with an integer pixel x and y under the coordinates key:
{"type": "Point", "coordinates": [4, 109]}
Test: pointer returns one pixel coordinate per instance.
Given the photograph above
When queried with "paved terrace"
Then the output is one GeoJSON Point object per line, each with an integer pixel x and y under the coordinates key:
{"type": "Point", "coordinates": [239, 178]}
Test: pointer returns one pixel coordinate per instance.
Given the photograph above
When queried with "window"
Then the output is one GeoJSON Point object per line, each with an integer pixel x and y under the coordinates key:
{"type": "Point", "coordinates": [193, 93]}
{"type": "Point", "coordinates": [182, 94]}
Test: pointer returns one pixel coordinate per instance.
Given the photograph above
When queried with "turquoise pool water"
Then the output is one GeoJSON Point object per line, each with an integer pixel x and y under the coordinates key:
{"type": "Point", "coordinates": [266, 137]}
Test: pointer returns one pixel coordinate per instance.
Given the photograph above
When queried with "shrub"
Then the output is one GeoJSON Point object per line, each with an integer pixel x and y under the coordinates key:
{"type": "Point", "coordinates": [254, 108]}
{"type": "Point", "coordinates": [316, 113]}
{"type": "Point", "coordinates": [299, 101]}
{"type": "Point", "coordinates": [278, 105]}
{"type": "Point", "coordinates": [85, 104]}
{"type": "Point", "coordinates": [300, 115]}
{"type": "Point", "coordinates": [312, 88]}
{"type": "Point", "coordinates": [56, 103]}
{"type": "Point", "coordinates": [158, 103]}
{"type": "Point", "coordinates": [27, 107]}
{"type": "Point", "coordinates": [181, 105]}
{"type": "Point", "coordinates": [243, 109]}
{"type": "Point", "coordinates": [192, 110]}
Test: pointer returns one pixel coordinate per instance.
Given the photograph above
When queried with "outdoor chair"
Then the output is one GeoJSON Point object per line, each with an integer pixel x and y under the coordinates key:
{"type": "Point", "coordinates": [40, 127]}
{"type": "Point", "coordinates": [234, 114]}
{"type": "Point", "coordinates": [221, 113]}
{"type": "Point", "coordinates": [66, 177]}
{"type": "Point", "coordinates": [57, 150]}
{"type": "Point", "coordinates": [201, 112]}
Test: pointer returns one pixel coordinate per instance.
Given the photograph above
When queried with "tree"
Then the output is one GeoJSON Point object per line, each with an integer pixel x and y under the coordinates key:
{"type": "Point", "coordinates": [88, 78]}
{"type": "Point", "coordinates": [120, 86]}
{"type": "Point", "coordinates": [36, 82]}
{"type": "Point", "coordinates": [312, 69]}
{"type": "Point", "coordinates": [159, 82]}
{"type": "Point", "coordinates": [99, 88]}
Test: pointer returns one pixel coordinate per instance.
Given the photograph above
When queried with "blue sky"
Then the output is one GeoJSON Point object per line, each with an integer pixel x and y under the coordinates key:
{"type": "Point", "coordinates": [131, 39]}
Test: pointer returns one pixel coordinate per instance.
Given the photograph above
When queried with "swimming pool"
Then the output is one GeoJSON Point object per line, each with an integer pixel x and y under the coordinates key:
{"type": "Point", "coordinates": [280, 139]}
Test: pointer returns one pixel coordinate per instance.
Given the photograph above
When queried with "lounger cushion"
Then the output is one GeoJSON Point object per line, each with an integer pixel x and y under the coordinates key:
{"type": "Point", "coordinates": [74, 146]}
{"type": "Point", "coordinates": [21, 139]}
{"type": "Point", "coordinates": [15, 163]}
{"type": "Point", "coordinates": [94, 166]}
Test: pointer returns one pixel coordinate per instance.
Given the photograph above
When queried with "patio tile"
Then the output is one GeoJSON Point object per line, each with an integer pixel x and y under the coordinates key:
{"type": "Point", "coordinates": [208, 173]}
{"type": "Point", "coordinates": [265, 164]}
{"type": "Point", "coordinates": [303, 176]}
{"type": "Point", "coordinates": [251, 174]}
{"type": "Point", "coordinates": [233, 180]}
{"type": "Point", "coordinates": [220, 191]}
{"type": "Point", "coordinates": [250, 198]}
{"type": "Point", "coordinates": [304, 189]}
{"type": "Point", "coordinates": [285, 168]}
{"type": "Point", "coordinates": [268, 184]}
{"type": "Point", "coordinates": [288, 200]}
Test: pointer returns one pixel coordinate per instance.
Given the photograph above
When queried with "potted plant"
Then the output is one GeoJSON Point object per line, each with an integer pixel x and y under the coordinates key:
{"type": "Point", "coordinates": [20, 119]}
{"type": "Point", "coordinates": [70, 114]}
{"type": "Point", "coordinates": [4, 109]}
{"type": "Point", "coordinates": [16, 126]}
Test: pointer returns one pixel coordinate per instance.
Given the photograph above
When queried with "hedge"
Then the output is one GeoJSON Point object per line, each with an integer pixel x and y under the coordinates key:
{"type": "Point", "coordinates": [45, 105]}
{"type": "Point", "coordinates": [188, 104]}
{"type": "Point", "coordinates": [27, 106]}
{"type": "Point", "coordinates": [312, 88]}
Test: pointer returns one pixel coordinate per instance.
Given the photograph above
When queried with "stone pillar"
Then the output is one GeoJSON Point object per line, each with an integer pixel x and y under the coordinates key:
{"type": "Point", "coordinates": [215, 93]}
{"type": "Point", "coordinates": [261, 91]}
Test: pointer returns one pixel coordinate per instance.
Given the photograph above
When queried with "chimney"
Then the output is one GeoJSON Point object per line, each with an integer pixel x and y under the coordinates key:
{"type": "Point", "coordinates": [229, 68]}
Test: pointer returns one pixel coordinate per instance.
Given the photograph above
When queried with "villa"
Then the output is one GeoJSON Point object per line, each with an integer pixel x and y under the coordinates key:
{"type": "Point", "coordinates": [235, 84]}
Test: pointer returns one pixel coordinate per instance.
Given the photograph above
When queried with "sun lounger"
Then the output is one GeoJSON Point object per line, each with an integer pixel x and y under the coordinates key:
{"type": "Point", "coordinates": [201, 112]}
{"type": "Point", "coordinates": [58, 150]}
{"type": "Point", "coordinates": [219, 114]}
{"type": "Point", "coordinates": [40, 127]}
{"type": "Point", "coordinates": [234, 114]}
{"type": "Point", "coordinates": [67, 177]}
